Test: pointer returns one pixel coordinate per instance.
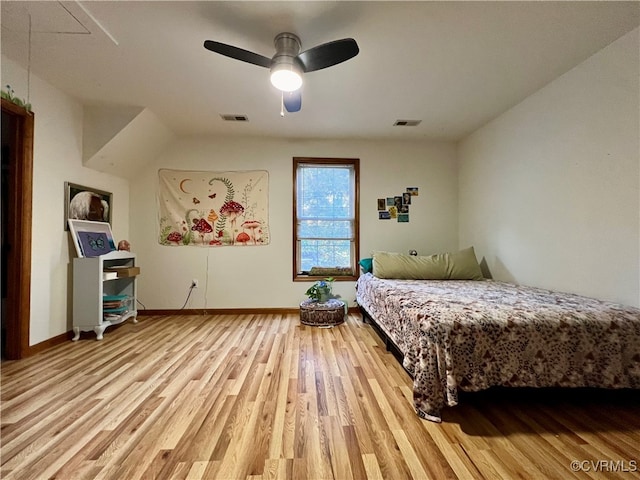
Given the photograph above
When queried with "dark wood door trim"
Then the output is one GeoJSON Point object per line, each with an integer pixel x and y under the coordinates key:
{"type": "Point", "coordinates": [18, 308]}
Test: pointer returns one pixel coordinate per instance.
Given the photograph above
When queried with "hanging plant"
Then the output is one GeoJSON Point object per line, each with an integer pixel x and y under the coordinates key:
{"type": "Point", "coordinates": [9, 94]}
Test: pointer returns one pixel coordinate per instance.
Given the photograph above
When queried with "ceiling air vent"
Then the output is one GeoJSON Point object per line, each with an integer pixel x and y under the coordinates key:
{"type": "Point", "coordinates": [232, 117]}
{"type": "Point", "coordinates": [406, 123]}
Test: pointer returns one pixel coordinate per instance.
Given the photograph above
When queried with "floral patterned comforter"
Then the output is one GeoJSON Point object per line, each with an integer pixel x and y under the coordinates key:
{"type": "Point", "coordinates": [471, 335]}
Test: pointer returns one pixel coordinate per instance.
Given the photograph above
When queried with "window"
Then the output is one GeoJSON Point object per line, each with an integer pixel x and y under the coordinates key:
{"type": "Point", "coordinates": [325, 218]}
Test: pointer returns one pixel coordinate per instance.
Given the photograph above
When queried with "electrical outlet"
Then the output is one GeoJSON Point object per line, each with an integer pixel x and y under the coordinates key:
{"type": "Point", "coordinates": [194, 283]}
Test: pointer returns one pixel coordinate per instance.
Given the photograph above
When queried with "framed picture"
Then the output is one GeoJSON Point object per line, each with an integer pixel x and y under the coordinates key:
{"type": "Point", "coordinates": [91, 239]}
{"type": "Point", "coordinates": [86, 203]}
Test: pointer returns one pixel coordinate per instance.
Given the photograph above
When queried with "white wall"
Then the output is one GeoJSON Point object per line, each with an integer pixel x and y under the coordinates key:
{"type": "Point", "coordinates": [253, 277]}
{"type": "Point", "coordinates": [549, 192]}
{"type": "Point", "coordinates": [57, 157]}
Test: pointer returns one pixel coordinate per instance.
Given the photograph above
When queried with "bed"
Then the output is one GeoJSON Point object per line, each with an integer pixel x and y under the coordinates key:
{"type": "Point", "coordinates": [471, 335]}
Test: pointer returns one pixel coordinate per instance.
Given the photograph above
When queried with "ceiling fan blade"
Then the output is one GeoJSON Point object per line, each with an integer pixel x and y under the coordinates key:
{"type": "Point", "coordinates": [237, 53]}
{"type": "Point", "coordinates": [328, 54]}
{"type": "Point", "coordinates": [292, 101]}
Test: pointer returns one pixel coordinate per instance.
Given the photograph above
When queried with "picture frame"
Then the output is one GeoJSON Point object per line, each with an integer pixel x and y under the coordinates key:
{"type": "Point", "coordinates": [91, 239]}
{"type": "Point", "coordinates": [86, 203]}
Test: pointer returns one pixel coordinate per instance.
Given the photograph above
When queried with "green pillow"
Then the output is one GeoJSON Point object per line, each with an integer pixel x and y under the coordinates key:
{"type": "Point", "coordinates": [366, 264]}
{"type": "Point", "coordinates": [464, 265]}
{"type": "Point", "coordinates": [409, 267]}
{"type": "Point", "coordinates": [442, 266]}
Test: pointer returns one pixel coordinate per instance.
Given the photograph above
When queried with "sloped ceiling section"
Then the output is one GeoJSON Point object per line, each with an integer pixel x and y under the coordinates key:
{"type": "Point", "coordinates": [122, 141]}
{"type": "Point", "coordinates": [117, 140]}
{"type": "Point", "coordinates": [102, 124]}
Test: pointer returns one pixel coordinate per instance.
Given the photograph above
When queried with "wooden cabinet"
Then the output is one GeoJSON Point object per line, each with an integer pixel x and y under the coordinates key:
{"type": "Point", "coordinates": [100, 297]}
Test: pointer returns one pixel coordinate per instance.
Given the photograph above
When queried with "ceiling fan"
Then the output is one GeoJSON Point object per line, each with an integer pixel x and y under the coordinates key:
{"type": "Point", "coordinates": [288, 65]}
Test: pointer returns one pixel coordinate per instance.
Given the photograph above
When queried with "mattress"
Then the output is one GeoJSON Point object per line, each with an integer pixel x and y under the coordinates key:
{"type": "Point", "coordinates": [472, 335]}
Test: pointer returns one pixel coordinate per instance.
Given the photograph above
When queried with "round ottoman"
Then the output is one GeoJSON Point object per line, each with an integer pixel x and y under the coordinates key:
{"type": "Point", "coordinates": [322, 314]}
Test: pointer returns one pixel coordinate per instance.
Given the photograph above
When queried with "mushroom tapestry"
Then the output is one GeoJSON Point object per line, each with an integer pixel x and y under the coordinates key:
{"type": "Point", "coordinates": [213, 209]}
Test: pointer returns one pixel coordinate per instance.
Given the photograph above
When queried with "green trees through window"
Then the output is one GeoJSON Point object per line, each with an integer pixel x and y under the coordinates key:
{"type": "Point", "coordinates": [325, 217]}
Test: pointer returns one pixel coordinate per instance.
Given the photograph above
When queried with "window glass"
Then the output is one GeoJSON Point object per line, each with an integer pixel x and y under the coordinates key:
{"type": "Point", "coordinates": [325, 217]}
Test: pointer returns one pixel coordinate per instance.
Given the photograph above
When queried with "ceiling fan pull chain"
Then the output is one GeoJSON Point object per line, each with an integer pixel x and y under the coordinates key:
{"type": "Point", "coordinates": [282, 104]}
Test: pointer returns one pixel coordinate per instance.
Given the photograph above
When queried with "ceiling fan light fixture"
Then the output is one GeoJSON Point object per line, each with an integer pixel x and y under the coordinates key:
{"type": "Point", "coordinates": [288, 64]}
{"type": "Point", "coordinates": [286, 77]}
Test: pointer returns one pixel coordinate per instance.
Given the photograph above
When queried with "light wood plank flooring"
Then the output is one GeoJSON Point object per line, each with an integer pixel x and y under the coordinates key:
{"type": "Point", "coordinates": [262, 397]}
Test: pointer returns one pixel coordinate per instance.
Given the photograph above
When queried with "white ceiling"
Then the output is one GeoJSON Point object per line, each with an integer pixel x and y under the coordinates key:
{"type": "Point", "coordinates": [453, 65]}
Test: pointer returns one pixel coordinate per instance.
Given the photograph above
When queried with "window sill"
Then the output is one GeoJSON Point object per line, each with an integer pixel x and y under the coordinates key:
{"type": "Point", "coordinates": [301, 277]}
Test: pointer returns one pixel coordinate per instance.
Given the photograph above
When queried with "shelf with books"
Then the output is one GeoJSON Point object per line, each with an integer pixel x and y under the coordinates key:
{"type": "Point", "coordinates": [100, 301]}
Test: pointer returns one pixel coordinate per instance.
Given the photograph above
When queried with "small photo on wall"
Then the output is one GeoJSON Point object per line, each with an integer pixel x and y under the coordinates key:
{"type": "Point", "coordinates": [382, 204]}
{"type": "Point", "coordinates": [413, 191]}
{"type": "Point", "coordinates": [393, 212]}
{"type": "Point", "coordinates": [406, 199]}
{"type": "Point", "coordinates": [384, 215]}
{"type": "Point", "coordinates": [397, 202]}
{"type": "Point", "coordinates": [390, 202]}
{"type": "Point", "coordinates": [403, 218]}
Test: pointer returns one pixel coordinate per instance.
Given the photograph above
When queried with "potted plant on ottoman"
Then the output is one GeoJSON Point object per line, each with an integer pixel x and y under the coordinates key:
{"type": "Point", "coordinates": [321, 290]}
{"type": "Point", "coordinates": [322, 308]}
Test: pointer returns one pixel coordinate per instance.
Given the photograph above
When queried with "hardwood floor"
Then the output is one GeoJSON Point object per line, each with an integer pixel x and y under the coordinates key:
{"type": "Point", "coordinates": [263, 397]}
